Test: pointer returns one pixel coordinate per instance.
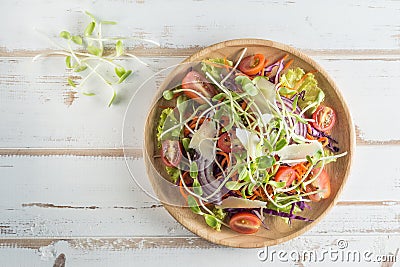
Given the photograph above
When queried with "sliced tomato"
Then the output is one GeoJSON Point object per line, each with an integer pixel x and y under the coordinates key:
{"type": "Point", "coordinates": [245, 223]}
{"type": "Point", "coordinates": [324, 118]}
{"type": "Point", "coordinates": [252, 65]}
{"type": "Point", "coordinates": [224, 143]}
{"type": "Point", "coordinates": [197, 82]}
{"type": "Point", "coordinates": [285, 174]}
{"type": "Point", "coordinates": [321, 183]}
{"type": "Point", "coordinates": [171, 153]}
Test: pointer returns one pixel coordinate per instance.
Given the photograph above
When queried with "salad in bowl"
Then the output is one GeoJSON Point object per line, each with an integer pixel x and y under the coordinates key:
{"type": "Point", "coordinates": [250, 137]}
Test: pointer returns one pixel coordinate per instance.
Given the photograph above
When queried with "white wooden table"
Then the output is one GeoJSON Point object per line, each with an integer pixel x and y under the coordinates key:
{"type": "Point", "coordinates": [65, 191]}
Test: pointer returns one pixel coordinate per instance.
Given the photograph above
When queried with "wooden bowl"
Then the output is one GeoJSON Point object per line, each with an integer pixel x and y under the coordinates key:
{"type": "Point", "coordinates": [279, 231]}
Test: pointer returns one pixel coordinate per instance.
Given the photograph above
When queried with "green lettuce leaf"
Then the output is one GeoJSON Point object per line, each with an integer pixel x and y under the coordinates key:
{"type": "Point", "coordinates": [173, 173]}
{"type": "Point", "coordinates": [215, 71]}
{"type": "Point", "coordinates": [161, 122]}
{"type": "Point", "coordinates": [291, 77]}
{"type": "Point", "coordinates": [219, 213]}
{"type": "Point", "coordinates": [313, 95]}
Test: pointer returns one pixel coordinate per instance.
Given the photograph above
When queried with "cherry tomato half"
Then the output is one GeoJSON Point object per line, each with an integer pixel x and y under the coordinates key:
{"type": "Point", "coordinates": [245, 223]}
{"type": "Point", "coordinates": [324, 118]}
{"type": "Point", "coordinates": [171, 153]}
{"type": "Point", "coordinates": [252, 65]}
{"type": "Point", "coordinates": [224, 143]}
{"type": "Point", "coordinates": [321, 183]}
{"type": "Point", "coordinates": [285, 174]}
{"type": "Point", "coordinates": [197, 82]}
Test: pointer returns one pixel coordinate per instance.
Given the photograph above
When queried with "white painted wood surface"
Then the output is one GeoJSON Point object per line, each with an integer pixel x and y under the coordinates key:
{"type": "Point", "coordinates": [65, 188]}
{"type": "Point", "coordinates": [29, 91]}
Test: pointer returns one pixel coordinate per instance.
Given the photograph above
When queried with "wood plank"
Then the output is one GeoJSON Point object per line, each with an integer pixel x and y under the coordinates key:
{"type": "Point", "coordinates": [69, 196]}
{"type": "Point", "coordinates": [158, 51]}
{"type": "Point", "coordinates": [100, 175]}
{"type": "Point", "coordinates": [83, 206]}
{"type": "Point", "coordinates": [47, 221]}
{"type": "Point", "coordinates": [29, 90]}
{"type": "Point", "coordinates": [178, 251]}
{"type": "Point", "coordinates": [309, 30]}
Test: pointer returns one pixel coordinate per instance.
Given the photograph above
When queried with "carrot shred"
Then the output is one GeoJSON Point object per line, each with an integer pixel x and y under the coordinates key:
{"type": "Point", "coordinates": [256, 192]}
{"type": "Point", "coordinates": [226, 158]}
{"type": "Point", "coordinates": [223, 162]}
{"type": "Point", "coordinates": [181, 190]}
{"type": "Point", "coordinates": [253, 197]}
{"type": "Point", "coordinates": [324, 141]}
{"type": "Point", "coordinates": [288, 64]}
{"type": "Point", "coordinates": [272, 73]}
{"type": "Point", "coordinates": [297, 85]}
{"type": "Point", "coordinates": [222, 153]}
{"type": "Point", "coordinates": [226, 64]}
{"type": "Point", "coordinates": [301, 169]}
{"type": "Point", "coordinates": [308, 135]}
{"type": "Point", "coordinates": [192, 125]}
{"type": "Point", "coordinates": [282, 58]}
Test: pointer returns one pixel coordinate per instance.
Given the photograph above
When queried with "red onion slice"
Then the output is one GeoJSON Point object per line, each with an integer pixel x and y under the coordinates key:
{"type": "Point", "coordinates": [300, 128]}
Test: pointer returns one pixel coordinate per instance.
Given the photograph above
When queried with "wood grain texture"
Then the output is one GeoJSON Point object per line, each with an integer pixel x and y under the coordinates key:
{"type": "Point", "coordinates": [158, 51]}
{"type": "Point", "coordinates": [107, 175]}
{"type": "Point", "coordinates": [147, 251]}
{"type": "Point", "coordinates": [69, 196]}
{"type": "Point", "coordinates": [53, 197]}
{"type": "Point", "coordinates": [29, 90]}
{"type": "Point", "coordinates": [202, 23]}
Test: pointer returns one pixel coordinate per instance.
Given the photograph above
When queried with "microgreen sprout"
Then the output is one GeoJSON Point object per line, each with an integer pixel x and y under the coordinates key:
{"type": "Point", "coordinates": [85, 53]}
{"type": "Point", "coordinates": [262, 156]}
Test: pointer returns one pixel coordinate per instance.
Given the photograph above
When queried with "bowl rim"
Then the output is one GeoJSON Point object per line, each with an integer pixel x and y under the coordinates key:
{"type": "Point", "coordinates": [269, 43]}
